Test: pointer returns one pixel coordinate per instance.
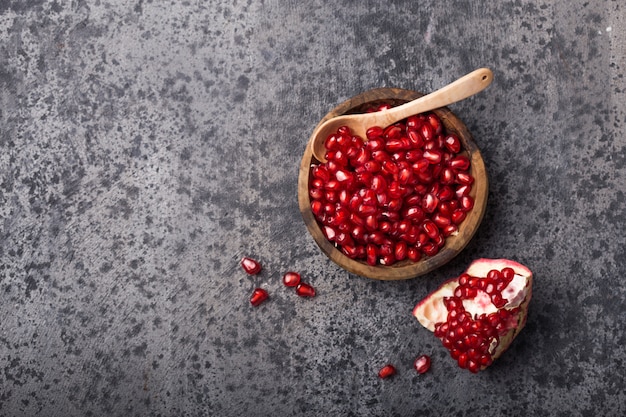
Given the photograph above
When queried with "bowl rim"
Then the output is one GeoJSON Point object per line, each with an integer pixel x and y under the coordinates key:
{"type": "Point", "coordinates": [405, 269]}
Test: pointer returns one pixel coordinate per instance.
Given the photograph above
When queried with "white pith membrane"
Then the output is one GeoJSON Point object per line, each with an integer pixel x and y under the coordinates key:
{"type": "Point", "coordinates": [432, 309]}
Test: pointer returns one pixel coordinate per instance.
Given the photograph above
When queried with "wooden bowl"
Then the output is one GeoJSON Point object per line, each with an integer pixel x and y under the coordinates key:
{"type": "Point", "coordinates": [454, 244]}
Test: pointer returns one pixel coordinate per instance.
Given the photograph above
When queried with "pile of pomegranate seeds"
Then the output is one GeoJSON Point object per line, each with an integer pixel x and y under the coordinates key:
{"type": "Point", "coordinates": [397, 195]}
{"type": "Point", "coordinates": [473, 340]}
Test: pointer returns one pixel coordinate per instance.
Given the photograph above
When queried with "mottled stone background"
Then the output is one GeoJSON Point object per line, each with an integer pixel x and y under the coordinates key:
{"type": "Point", "coordinates": [146, 146]}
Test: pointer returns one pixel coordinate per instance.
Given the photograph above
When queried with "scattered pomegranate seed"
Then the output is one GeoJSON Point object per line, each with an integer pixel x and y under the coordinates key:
{"type": "Point", "coordinates": [422, 364]}
{"type": "Point", "coordinates": [387, 371]}
{"type": "Point", "coordinates": [291, 279]}
{"type": "Point", "coordinates": [305, 290]}
{"type": "Point", "coordinates": [251, 266]}
{"type": "Point", "coordinates": [258, 296]}
{"type": "Point", "coordinates": [396, 196]}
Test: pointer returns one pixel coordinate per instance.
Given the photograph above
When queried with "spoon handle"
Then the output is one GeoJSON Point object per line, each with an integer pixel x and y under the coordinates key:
{"type": "Point", "coordinates": [464, 87]}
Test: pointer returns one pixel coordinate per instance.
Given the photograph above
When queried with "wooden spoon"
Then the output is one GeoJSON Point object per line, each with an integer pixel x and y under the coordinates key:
{"type": "Point", "coordinates": [464, 87]}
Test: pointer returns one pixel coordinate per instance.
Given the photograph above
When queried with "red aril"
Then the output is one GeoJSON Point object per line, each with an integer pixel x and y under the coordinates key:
{"type": "Point", "coordinates": [387, 371]}
{"type": "Point", "coordinates": [250, 265]}
{"type": "Point", "coordinates": [478, 314]}
{"type": "Point", "coordinates": [258, 296]}
{"type": "Point", "coordinates": [305, 290]}
{"type": "Point", "coordinates": [374, 132]}
{"type": "Point", "coordinates": [291, 279]}
{"type": "Point", "coordinates": [422, 364]}
{"type": "Point", "coordinates": [459, 162]}
{"type": "Point", "coordinates": [452, 143]}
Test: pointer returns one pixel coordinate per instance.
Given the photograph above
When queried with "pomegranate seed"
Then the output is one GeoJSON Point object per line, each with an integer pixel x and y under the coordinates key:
{"type": "Point", "coordinates": [508, 274]}
{"type": "Point", "coordinates": [467, 203]}
{"type": "Point", "coordinates": [378, 183]}
{"type": "Point", "coordinates": [371, 254]}
{"type": "Point", "coordinates": [413, 254]}
{"type": "Point", "coordinates": [415, 139]}
{"type": "Point", "coordinates": [331, 142]}
{"type": "Point", "coordinates": [445, 193]}
{"type": "Point", "coordinates": [430, 203]}
{"type": "Point", "coordinates": [392, 132]}
{"type": "Point", "coordinates": [427, 131]}
{"type": "Point", "coordinates": [400, 251]}
{"type": "Point", "coordinates": [389, 167]}
{"type": "Point", "coordinates": [430, 249]}
{"type": "Point", "coordinates": [291, 279]}
{"type": "Point", "coordinates": [250, 265]}
{"type": "Point", "coordinates": [464, 178]}
{"type": "Point", "coordinates": [375, 144]}
{"type": "Point", "coordinates": [452, 143]}
{"type": "Point", "coordinates": [435, 122]}
{"type": "Point", "coordinates": [459, 162]}
{"type": "Point", "coordinates": [305, 290]}
{"type": "Point", "coordinates": [422, 364]}
{"type": "Point", "coordinates": [374, 132]}
{"type": "Point", "coordinates": [329, 233]}
{"type": "Point", "coordinates": [258, 296]}
{"type": "Point", "coordinates": [372, 166]}
{"type": "Point", "coordinates": [320, 172]}
{"type": "Point", "coordinates": [395, 145]}
{"type": "Point", "coordinates": [434, 157]}
{"type": "Point", "coordinates": [317, 207]}
{"type": "Point", "coordinates": [371, 223]}
{"type": "Point", "coordinates": [441, 221]}
{"type": "Point", "coordinates": [450, 230]}
{"type": "Point", "coordinates": [386, 371]}
{"type": "Point", "coordinates": [458, 216]}
{"type": "Point", "coordinates": [361, 157]}
{"type": "Point", "coordinates": [420, 165]}
{"type": "Point", "coordinates": [414, 213]}
{"type": "Point", "coordinates": [430, 228]}
{"type": "Point", "coordinates": [447, 176]}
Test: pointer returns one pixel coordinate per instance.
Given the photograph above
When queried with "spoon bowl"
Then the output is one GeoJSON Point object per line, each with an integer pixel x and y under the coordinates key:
{"type": "Point", "coordinates": [454, 244]}
{"type": "Point", "coordinates": [460, 89]}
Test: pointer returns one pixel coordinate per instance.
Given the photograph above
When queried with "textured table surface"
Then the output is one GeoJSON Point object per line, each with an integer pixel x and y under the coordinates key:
{"type": "Point", "coordinates": [146, 146]}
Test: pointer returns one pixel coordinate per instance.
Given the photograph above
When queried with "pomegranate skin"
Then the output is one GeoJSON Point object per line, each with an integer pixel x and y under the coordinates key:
{"type": "Point", "coordinates": [478, 314]}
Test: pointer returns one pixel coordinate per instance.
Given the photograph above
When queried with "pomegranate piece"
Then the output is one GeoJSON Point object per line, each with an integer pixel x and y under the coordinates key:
{"type": "Point", "coordinates": [251, 266]}
{"type": "Point", "coordinates": [478, 314]}
{"type": "Point", "coordinates": [258, 296]}
{"type": "Point", "coordinates": [291, 279]}
{"type": "Point", "coordinates": [387, 371]}
{"type": "Point", "coordinates": [305, 290]}
{"type": "Point", "coordinates": [422, 364]}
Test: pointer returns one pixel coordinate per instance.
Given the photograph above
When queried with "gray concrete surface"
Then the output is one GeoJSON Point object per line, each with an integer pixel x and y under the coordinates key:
{"type": "Point", "coordinates": [146, 146]}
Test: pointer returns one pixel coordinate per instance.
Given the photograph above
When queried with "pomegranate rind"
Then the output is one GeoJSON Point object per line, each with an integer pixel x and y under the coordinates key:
{"type": "Point", "coordinates": [431, 310]}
